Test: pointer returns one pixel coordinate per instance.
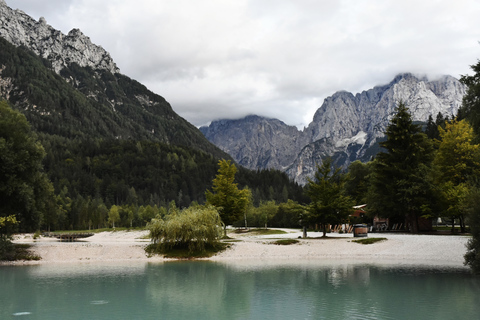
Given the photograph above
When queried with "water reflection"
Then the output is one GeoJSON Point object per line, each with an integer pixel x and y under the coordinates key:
{"type": "Point", "coordinates": [260, 290]}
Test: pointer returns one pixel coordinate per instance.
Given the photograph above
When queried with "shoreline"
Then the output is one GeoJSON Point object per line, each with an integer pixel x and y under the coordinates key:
{"type": "Point", "coordinates": [247, 249]}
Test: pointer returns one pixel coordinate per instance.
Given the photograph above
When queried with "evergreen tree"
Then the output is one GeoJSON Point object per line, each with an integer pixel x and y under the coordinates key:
{"type": "Point", "coordinates": [356, 185]}
{"type": "Point", "coordinates": [399, 188]}
{"type": "Point", "coordinates": [329, 204]}
{"type": "Point", "coordinates": [230, 201]}
{"type": "Point", "coordinates": [472, 257]}
{"type": "Point", "coordinates": [470, 108]}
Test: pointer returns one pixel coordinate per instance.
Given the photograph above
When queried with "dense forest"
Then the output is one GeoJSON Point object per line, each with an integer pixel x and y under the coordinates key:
{"type": "Point", "coordinates": [108, 141]}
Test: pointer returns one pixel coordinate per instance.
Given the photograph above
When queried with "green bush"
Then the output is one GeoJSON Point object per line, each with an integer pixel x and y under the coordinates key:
{"type": "Point", "coordinates": [286, 242]}
{"type": "Point", "coordinates": [369, 240]}
{"type": "Point", "coordinates": [193, 228]}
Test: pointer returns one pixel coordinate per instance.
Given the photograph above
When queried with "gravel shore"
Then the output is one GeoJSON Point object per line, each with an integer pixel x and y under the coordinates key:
{"type": "Point", "coordinates": [406, 249]}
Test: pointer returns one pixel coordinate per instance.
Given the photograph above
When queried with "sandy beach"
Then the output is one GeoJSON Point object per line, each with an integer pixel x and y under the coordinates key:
{"type": "Point", "coordinates": [124, 246]}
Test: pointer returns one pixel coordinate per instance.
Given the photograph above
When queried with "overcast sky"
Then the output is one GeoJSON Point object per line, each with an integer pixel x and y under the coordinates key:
{"type": "Point", "coordinates": [216, 59]}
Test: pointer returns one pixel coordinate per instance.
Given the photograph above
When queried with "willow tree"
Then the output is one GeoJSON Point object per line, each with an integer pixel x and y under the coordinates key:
{"type": "Point", "coordinates": [193, 228]}
{"type": "Point", "coordinates": [230, 201]}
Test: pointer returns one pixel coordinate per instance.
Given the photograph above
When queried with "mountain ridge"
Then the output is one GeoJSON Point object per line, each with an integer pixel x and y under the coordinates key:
{"type": "Point", "coordinates": [20, 29]}
{"type": "Point", "coordinates": [346, 126]}
{"type": "Point", "coordinates": [85, 90]}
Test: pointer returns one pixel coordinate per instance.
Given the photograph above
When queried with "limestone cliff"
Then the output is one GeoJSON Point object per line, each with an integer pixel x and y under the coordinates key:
{"type": "Point", "coordinates": [346, 127]}
{"type": "Point", "coordinates": [20, 29]}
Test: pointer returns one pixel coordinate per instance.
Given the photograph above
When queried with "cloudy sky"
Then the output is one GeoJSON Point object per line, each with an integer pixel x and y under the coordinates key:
{"type": "Point", "coordinates": [216, 59]}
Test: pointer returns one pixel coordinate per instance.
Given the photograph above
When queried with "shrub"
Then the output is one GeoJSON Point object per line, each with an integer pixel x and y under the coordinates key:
{"type": "Point", "coordinates": [369, 240]}
{"type": "Point", "coordinates": [286, 242]}
{"type": "Point", "coordinates": [193, 228]}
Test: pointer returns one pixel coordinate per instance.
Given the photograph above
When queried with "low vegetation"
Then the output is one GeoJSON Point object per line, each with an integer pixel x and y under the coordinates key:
{"type": "Point", "coordinates": [261, 232]}
{"type": "Point", "coordinates": [14, 252]}
{"type": "Point", "coordinates": [193, 231]}
{"type": "Point", "coordinates": [286, 242]}
{"type": "Point", "coordinates": [369, 240]}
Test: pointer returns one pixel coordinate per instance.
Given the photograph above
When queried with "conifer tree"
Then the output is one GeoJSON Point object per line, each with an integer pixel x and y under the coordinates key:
{"type": "Point", "coordinates": [329, 204]}
{"type": "Point", "coordinates": [230, 201]}
{"type": "Point", "coordinates": [470, 109]}
{"type": "Point", "coordinates": [399, 186]}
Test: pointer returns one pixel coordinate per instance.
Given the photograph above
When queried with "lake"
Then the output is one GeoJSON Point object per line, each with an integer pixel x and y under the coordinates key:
{"type": "Point", "coordinates": [257, 290]}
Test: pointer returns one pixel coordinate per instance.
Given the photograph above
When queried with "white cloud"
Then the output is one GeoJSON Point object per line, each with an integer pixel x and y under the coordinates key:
{"type": "Point", "coordinates": [225, 59]}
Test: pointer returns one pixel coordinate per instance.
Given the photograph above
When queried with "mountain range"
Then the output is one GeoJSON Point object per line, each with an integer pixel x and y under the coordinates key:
{"type": "Point", "coordinates": [346, 127]}
{"type": "Point", "coordinates": [68, 86]}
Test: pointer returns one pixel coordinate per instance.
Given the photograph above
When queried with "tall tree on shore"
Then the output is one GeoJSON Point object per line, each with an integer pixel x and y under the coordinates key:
{"type": "Point", "coordinates": [399, 186]}
{"type": "Point", "coordinates": [470, 108]}
{"type": "Point", "coordinates": [25, 190]}
{"type": "Point", "coordinates": [329, 204]}
{"type": "Point", "coordinates": [230, 201]}
{"type": "Point", "coordinates": [456, 161]}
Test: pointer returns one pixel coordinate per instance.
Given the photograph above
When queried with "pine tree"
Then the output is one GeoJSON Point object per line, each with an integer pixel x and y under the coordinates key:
{"type": "Point", "coordinates": [329, 204]}
{"type": "Point", "coordinates": [399, 186]}
{"type": "Point", "coordinates": [230, 201]}
{"type": "Point", "coordinates": [470, 109]}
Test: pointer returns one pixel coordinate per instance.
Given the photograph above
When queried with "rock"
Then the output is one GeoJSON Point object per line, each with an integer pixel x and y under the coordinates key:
{"type": "Point", "coordinates": [20, 29]}
{"type": "Point", "coordinates": [346, 127]}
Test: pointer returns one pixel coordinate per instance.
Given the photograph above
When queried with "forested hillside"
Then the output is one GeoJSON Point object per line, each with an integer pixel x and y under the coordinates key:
{"type": "Point", "coordinates": [110, 141]}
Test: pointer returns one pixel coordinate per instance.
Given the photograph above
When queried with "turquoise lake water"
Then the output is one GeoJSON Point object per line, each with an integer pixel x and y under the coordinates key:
{"type": "Point", "coordinates": [209, 290]}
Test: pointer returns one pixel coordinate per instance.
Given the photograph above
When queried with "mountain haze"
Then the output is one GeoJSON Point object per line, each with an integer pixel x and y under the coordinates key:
{"type": "Point", "coordinates": [346, 127]}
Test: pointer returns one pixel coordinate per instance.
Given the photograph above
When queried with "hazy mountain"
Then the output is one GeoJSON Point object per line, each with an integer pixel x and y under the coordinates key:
{"type": "Point", "coordinates": [346, 127]}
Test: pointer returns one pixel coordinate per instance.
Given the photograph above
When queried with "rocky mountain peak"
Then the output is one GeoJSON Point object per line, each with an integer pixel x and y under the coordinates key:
{"type": "Point", "coordinates": [20, 29]}
{"type": "Point", "coordinates": [346, 127]}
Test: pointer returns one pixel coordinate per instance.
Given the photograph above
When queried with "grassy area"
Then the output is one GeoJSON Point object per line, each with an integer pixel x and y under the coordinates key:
{"type": "Point", "coordinates": [369, 240]}
{"type": "Point", "coordinates": [261, 231]}
{"type": "Point", "coordinates": [286, 242]}
{"type": "Point", "coordinates": [98, 230]}
{"type": "Point", "coordinates": [14, 252]}
{"type": "Point", "coordinates": [184, 253]}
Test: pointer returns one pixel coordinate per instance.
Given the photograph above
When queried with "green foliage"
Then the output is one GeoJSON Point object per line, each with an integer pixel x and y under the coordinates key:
{"type": "Point", "coordinates": [458, 157]}
{"type": "Point", "coordinates": [399, 184]}
{"type": "Point", "coordinates": [230, 201]}
{"type": "Point", "coordinates": [25, 190]}
{"type": "Point", "coordinates": [109, 141]}
{"type": "Point", "coordinates": [6, 225]}
{"type": "Point", "coordinates": [456, 161]}
{"type": "Point", "coordinates": [286, 242]}
{"type": "Point", "coordinates": [14, 252]}
{"type": "Point", "coordinates": [329, 204]}
{"type": "Point", "coordinates": [263, 213]}
{"type": "Point", "coordinates": [369, 240]}
{"type": "Point", "coordinates": [432, 129]}
{"type": "Point", "coordinates": [357, 182]}
{"type": "Point", "coordinates": [470, 108]}
{"type": "Point", "coordinates": [266, 231]}
{"type": "Point", "coordinates": [472, 257]}
{"type": "Point", "coordinates": [193, 228]}
{"type": "Point", "coordinates": [83, 103]}
{"type": "Point", "coordinates": [113, 215]}
{"type": "Point", "coordinates": [283, 215]}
